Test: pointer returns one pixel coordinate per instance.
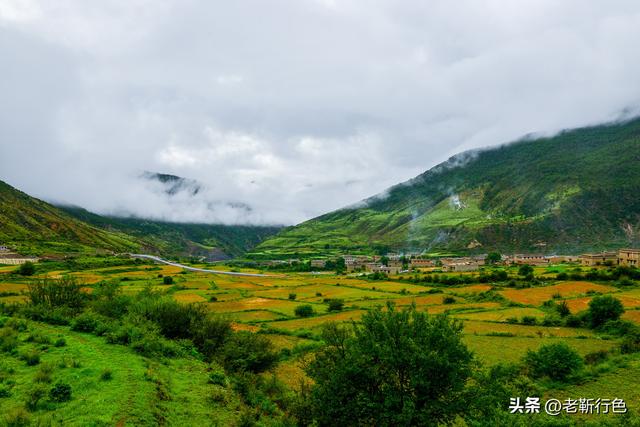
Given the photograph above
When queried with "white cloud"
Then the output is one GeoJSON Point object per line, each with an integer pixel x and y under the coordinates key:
{"type": "Point", "coordinates": [293, 107]}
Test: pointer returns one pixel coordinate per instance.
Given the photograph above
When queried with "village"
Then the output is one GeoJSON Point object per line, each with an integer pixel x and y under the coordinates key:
{"type": "Point", "coordinates": [394, 263]}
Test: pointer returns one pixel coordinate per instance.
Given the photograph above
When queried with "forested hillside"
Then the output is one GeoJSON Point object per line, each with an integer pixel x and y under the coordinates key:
{"type": "Point", "coordinates": [577, 190]}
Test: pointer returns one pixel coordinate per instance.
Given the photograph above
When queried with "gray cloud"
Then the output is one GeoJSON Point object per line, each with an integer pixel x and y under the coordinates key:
{"type": "Point", "coordinates": [292, 107]}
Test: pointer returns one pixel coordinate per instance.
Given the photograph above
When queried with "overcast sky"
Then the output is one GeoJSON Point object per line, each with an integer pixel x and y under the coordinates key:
{"type": "Point", "coordinates": [293, 107]}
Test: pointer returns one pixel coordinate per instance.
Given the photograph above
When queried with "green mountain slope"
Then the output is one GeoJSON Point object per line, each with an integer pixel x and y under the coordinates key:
{"type": "Point", "coordinates": [575, 191]}
{"type": "Point", "coordinates": [213, 241]}
{"type": "Point", "coordinates": [36, 227]}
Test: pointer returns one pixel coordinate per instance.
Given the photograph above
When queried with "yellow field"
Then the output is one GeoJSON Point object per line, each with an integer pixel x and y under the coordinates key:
{"type": "Point", "coordinates": [537, 296]}
{"type": "Point", "coordinates": [500, 315]}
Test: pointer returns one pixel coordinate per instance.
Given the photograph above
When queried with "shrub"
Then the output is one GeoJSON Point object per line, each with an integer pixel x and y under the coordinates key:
{"type": "Point", "coordinates": [106, 375]}
{"type": "Point", "coordinates": [31, 357]}
{"type": "Point", "coordinates": [336, 305]}
{"type": "Point", "coordinates": [44, 373]}
{"type": "Point", "coordinates": [167, 280]}
{"type": "Point", "coordinates": [5, 392]}
{"type": "Point", "coordinates": [65, 292]}
{"type": "Point", "coordinates": [292, 296]}
{"type": "Point", "coordinates": [551, 320]}
{"type": "Point", "coordinates": [60, 342]}
{"type": "Point", "coordinates": [27, 269]}
{"type": "Point", "coordinates": [448, 300]}
{"type": "Point", "coordinates": [512, 320]}
{"type": "Point", "coordinates": [604, 308]}
{"type": "Point", "coordinates": [17, 417]}
{"type": "Point", "coordinates": [557, 361]}
{"type": "Point", "coordinates": [574, 321]}
{"type": "Point", "coordinates": [87, 321]}
{"type": "Point", "coordinates": [248, 352]}
{"type": "Point", "coordinates": [525, 270]}
{"type": "Point", "coordinates": [8, 340]}
{"type": "Point", "coordinates": [60, 392]}
{"type": "Point", "coordinates": [217, 376]}
{"type": "Point", "coordinates": [34, 396]}
{"type": "Point", "coordinates": [596, 357]}
{"type": "Point", "coordinates": [563, 309]}
{"type": "Point", "coordinates": [304, 310]}
{"type": "Point", "coordinates": [529, 320]}
{"type": "Point", "coordinates": [562, 276]}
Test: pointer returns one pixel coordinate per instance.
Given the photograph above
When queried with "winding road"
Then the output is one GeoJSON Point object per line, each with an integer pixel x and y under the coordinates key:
{"type": "Point", "coordinates": [201, 270]}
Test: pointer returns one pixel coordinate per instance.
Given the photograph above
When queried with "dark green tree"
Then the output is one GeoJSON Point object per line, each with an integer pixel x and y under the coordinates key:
{"type": "Point", "coordinates": [394, 368]}
{"type": "Point", "coordinates": [493, 257]}
{"type": "Point", "coordinates": [557, 361]}
{"type": "Point", "coordinates": [525, 270]}
{"type": "Point", "coordinates": [604, 308]}
{"type": "Point", "coordinates": [27, 269]}
{"type": "Point", "coordinates": [304, 310]}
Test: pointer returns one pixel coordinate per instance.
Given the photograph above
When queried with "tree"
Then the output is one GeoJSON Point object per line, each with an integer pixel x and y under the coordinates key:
{"type": "Point", "coordinates": [27, 269]}
{"type": "Point", "coordinates": [304, 310]}
{"type": "Point", "coordinates": [604, 308]}
{"type": "Point", "coordinates": [525, 270]}
{"type": "Point", "coordinates": [335, 305]}
{"type": "Point", "coordinates": [248, 352]}
{"type": "Point", "coordinates": [493, 257]}
{"type": "Point", "coordinates": [167, 280]}
{"type": "Point", "coordinates": [394, 368]}
{"type": "Point", "coordinates": [557, 361]}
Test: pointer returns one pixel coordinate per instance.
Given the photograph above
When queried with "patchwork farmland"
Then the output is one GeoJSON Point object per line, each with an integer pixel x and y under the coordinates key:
{"type": "Point", "coordinates": [502, 320]}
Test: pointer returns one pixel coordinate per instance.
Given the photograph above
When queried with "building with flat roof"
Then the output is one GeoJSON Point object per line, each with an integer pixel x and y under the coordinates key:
{"type": "Point", "coordinates": [602, 258]}
{"type": "Point", "coordinates": [629, 257]}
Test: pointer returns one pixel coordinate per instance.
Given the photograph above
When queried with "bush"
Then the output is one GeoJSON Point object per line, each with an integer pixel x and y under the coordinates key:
{"type": "Point", "coordinates": [596, 357]}
{"type": "Point", "coordinates": [336, 305]}
{"type": "Point", "coordinates": [60, 342]}
{"type": "Point", "coordinates": [167, 280]}
{"type": "Point", "coordinates": [106, 375]}
{"type": "Point", "coordinates": [604, 308]}
{"type": "Point", "coordinates": [562, 276]}
{"type": "Point", "coordinates": [529, 320]}
{"type": "Point", "coordinates": [557, 361]}
{"type": "Point", "coordinates": [563, 309]}
{"type": "Point", "coordinates": [248, 352]}
{"type": "Point", "coordinates": [31, 357]}
{"type": "Point", "coordinates": [16, 417]}
{"type": "Point", "coordinates": [525, 270]}
{"type": "Point", "coordinates": [27, 269]}
{"type": "Point", "coordinates": [87, 321]}
{"type": "Point", "coordinates": [60, 392]}
{"type": "Point", "coordinates": [64, 292]}
{"type": "Point", "coordinates": [5, 392]}
{"type": "Point", "coordinates": [217, 376]}
{"type": "Point", "coordinates": [34, 396]}
{"type": "Point", "coordinates": [8, 340]}
{"type": "Point", "coordinates": [292, 296]}
{"type": "Point", "coordinates": [304, 311]}
{"type": "Point", "coordinates": [44, 373]}
{"type": "Point", "coordinates": [448, 300]}
{"type": "Point", "coordinates": [574, 321]}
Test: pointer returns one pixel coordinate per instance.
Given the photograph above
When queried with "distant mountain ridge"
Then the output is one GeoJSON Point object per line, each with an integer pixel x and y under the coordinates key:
{"type": "Point", "coordinates": [578, 190]}
{"type": "Point", "coordinates": [37, 227]}
{"type": "Point", "coordinates": [211, 241]}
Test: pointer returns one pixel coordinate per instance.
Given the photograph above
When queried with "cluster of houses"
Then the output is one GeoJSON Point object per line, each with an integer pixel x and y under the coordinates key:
{"type": "Point", "coordinates": [396, 263]}
{"type": "Point", "coordinates": [7, 256]}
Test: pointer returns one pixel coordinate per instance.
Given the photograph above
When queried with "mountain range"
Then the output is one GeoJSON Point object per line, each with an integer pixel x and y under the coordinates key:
{"type": "Point", "coordinates": [578, 190]}
{"type": "Point", "coordinates": [35, 227]}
